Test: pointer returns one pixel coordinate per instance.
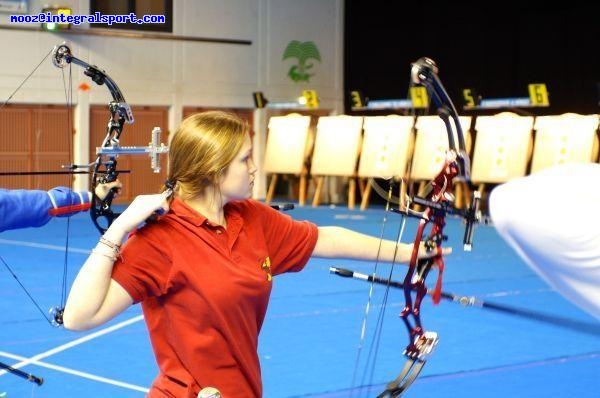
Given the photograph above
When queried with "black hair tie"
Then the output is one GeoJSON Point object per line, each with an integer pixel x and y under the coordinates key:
{"type": "Point", "coordinates": [170, 184]}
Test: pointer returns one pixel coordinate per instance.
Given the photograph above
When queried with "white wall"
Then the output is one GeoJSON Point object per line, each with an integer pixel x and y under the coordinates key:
{"type": "Point", "coordinates": [178, 73]}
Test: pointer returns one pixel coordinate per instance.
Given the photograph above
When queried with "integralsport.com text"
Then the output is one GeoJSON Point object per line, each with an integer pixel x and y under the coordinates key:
{"type": "Point", "coordinates": [47, 17]}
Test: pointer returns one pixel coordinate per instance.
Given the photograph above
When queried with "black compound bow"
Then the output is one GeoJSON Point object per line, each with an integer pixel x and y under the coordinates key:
{"type": "Point", "coordinates": [105, 166]}
{"type": "Point", "coordinates": [104, 170]}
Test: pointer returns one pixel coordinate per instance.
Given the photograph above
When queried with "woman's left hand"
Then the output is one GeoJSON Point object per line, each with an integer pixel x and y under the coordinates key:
{"type": "Point", "coordinates": [429, 253]}
{"type": "Point", "coordinates": [103, 189]}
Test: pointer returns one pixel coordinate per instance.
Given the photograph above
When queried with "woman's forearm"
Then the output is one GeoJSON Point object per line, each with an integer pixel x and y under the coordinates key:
{"type": "Point", "coordinates": [87, 303]}
{"type": "Point", "coordinates": [95, 297]}
{"type": "Point", "coordinates": [344, 243]}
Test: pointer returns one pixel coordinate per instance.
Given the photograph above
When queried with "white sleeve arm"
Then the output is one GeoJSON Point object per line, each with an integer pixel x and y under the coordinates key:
{"type": "Point", "coordinates": [551, 219]}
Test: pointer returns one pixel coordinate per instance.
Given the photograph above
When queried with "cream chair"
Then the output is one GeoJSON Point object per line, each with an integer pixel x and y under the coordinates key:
{"type": "Point", "coordinates": [502, 150]}
{"type": "Point", "coordinates": [566, 138]}
{"type": "Point", "coordinates": [336, 150]}
{"type": "Point", "coordinates": [386, 150]}
{"type": "Point", "coordinates": [431, 145]}
{"type": "Point", "coordinates": [287, 151]}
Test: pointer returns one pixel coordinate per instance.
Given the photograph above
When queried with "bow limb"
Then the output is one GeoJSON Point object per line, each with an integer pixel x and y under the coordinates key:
{"type": "Point", "coordinates": [424, 71]}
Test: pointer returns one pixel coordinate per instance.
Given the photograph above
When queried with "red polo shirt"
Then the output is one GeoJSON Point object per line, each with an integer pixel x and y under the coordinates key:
{"type": "Point", "coordinates": [204, 291]}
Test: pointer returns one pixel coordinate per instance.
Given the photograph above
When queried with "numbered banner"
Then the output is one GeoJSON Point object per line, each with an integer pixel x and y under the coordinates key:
{"type": "Point", "coordinates": [538, 94]}
{"type": "Point", "coordinates": [419, 97]}
{"type": "Point", "coordinates": [471, 97]}
{"type": "Point", "coordinates": [259, 99]}
{"type": "Point", "coordinates": [312, 101]}
{"type": "Point", "coordinates": [357, 100]}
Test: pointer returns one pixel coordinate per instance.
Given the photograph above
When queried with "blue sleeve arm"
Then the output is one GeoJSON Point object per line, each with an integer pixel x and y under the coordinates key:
{"type": "Point", "coordinates": [23, 208]}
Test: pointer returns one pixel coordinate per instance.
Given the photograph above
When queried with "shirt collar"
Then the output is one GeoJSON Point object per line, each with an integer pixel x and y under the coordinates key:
{"type": "Point", "coordinates": [183, 211]}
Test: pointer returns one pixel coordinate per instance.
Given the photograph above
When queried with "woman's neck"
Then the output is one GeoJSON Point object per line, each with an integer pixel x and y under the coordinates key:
{"type": "Point", "coordinates": [210, 206]}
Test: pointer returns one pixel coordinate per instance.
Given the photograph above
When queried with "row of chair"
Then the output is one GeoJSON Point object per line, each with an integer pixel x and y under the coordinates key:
{"type": "Point", "coordinates": [407, 148]}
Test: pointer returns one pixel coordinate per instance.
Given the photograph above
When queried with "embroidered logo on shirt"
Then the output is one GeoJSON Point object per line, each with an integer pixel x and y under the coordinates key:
{"type": "Point", "coordinates": [266, 266]}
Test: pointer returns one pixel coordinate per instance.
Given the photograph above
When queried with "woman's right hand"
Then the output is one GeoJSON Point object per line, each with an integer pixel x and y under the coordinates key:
{"type": "Point", "coordinates": [142, 207]}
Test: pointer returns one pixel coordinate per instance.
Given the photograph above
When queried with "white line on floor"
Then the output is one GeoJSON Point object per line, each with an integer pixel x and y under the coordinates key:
{"type": "Point", "coordinates": [34, 360]}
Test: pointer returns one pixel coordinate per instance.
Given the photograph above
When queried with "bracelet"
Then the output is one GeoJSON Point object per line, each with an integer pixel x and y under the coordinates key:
{"type": "Point", "coordinates": [115, 247]}
{"type": "Point", "coordinates": [112, 245]}
{"type": "Point", "coordinates": [111, 256]}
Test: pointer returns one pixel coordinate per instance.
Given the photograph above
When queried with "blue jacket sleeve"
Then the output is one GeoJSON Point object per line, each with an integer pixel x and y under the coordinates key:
{"type": "Point", "coordinates": [23, 208]}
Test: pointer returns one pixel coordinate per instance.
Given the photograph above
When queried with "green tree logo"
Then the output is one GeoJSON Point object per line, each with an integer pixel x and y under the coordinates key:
{"type": "Point", "coordinates": [303, 52]}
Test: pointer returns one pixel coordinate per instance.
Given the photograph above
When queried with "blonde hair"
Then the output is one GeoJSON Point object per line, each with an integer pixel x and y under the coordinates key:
{"type": "Point", "coordinates": [201, 150]}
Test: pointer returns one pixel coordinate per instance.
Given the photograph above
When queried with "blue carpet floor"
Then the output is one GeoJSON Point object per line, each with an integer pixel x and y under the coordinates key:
{"type": "Point", "coordinates": [310, 342]}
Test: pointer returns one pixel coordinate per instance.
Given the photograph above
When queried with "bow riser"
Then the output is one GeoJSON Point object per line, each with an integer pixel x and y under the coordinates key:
{"type": "Point", "coordinates": [414, 281]}
{"type": "Point", "coordinates": [101, 212]}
